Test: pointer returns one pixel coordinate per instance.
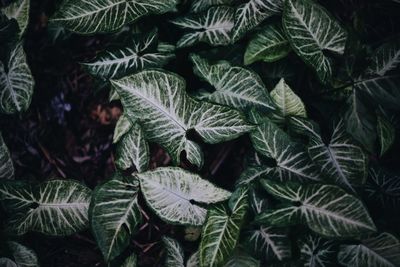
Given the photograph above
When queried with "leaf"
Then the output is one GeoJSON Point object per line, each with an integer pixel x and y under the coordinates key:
{"type": "Point", "coordinates": [119, 62]}
{"type": "Point", "coordinates": [133, 149]}
{"type": "Point", "coordinates": [114, 215]}
{"type": "Point", "coordinates": [16, 83]}
{"type": "Point", "coordinates": [269, 44]}
{"type": "Point", "coordinates": [313, 33]}
{"type": "Point", "coordinates": [6, 165]}
{"type": "Point", "coordinates": [386, 134]}
{"type": "Point", "coordinates": [202, 5]}
{"type": "Point", "coordinates": [177, 196]}
{"type": "Point", "coordinates": [316, 251]}
{"type": "Point", "coordinates": [252, 13]}
{"type": "Point", "coordinates": [341, 160]}
{"type": "Point", "coordinates": [175, 256]}
{"type": "Point", "coordinates": [222, 229]}
{"type": "Point", "coordinates": [381, 250]}
{"type": "Point", "coordinates": [101, 16]}
{"type": "Point", "coordinates": [385, 59]}
{"type": "Point", "coordinates": [18, 10]}
{"type": "Point", "coordinates": [131, 261]}
{"type": "Point", "coordinates": [213, 27]}
{"type": "Point", "coordinates": [23, 256]}
{"type": "Point", "coordinates": [383, 187]}
{"type": "Point", "coordinates": [194, 260]}
{"type": "Point", "coordinates": [251, 174]}
{"type": "Point", "coordinates": [240, 259]}
{"type": "Point", "coordinates": [166, 113]}
{"type": "Point", "coordinates": [56, 207]}
{"type": "Point", "coordinates": [7, 262]}
{"type": "Point", "coordinates": [121, 128]}
{"type": "Point", "coordinates": [318, 206]}
{"type": "Point", "coordinates": [234, 86]}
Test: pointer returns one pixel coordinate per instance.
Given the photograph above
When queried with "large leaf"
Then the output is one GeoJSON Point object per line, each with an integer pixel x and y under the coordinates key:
{"type": "Point", "coordinates": [317, 252]}
{"type": "Point", "coordinates": [178, 196]}
{"type": "Point", "coordinates": [269, 44]}
{"type": "Point", "coordinates": [114, 215]}
{"type": "Point", "coordinates": [201, 5]}
{"type": "Point", "coordinates": [381, 250]}
{"type": "Point", "coordinates": [23, 256]}
{"type": "Point", "coordinates": [234, 86]}
{"type": "Point", "coordinates": [6, 165]}
{"type": "Point", "coordinates": [313, 33]}
{"type": "Point", "coordinates": [98, 16]}
{"type": "Point", "coordinates": [252, 13]}
{"type": "Point", "coordinates": [385, 58]}
{"type": "Point", "coordinates": [383, 187]}
{"type": "Point", "coordinates": [174, 253]}
{"type": "Point", "coordinates": [221, 231]}
{"type": "Point", "coordinates": [140, 54]}
{"type": "Point", "coordinates": [318, 206]}
{"type": "Point", "coordinates": [213, 26]}
{"type": "Point", "coordinates": [166, 113]}
{"type": "Point", "coordinates": [56, 207]}
{"type": "Point", "coordinates": [18, 10]}
{"type": "Point", "coordinates": [16, 83]}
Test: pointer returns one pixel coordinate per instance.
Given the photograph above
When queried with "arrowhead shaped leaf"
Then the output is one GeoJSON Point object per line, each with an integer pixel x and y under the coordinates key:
{"type": "Point", "coordinates": [114, 215]}
{"type": "Point", "coordinates": [312, 32]}
{"type": "Point", "coordinates": [269, 44]}
{"type": "Point", "coordinates": [23, 256]}
{"type": "Point", "coordinates": [6, 165]}
{"type": "Point", "coordinates": [16, 83]}
{"type": "Point", "coordinates": [386, 134]}
{"type": "Point", "coordinates": [175, 256]}
{"type": "Point", "coordinates": [213, 27]}
{"type": "Point", "coordinates": [18, 10]}
{"type": "Point", "coordinates": [316, 251]}
{"type": "Point", "coordinates": [101, 16]}
{"type": "Point", "coordinates": [234, 86]}
{"type": "Point", "coordinates": [166, 113]}
{"type": "Point", "coordinates": [176, 195]}
{"type": "Point", "coordinates": [202, 5]}
{"type": "Point", "coordinates": [318, 206]}
{"type": "Point", "coordinates": [383, 187]}
{"type": "Point", "coordinates": [385, 58]}
{"type": "Point", "coordinates": [378, 250]}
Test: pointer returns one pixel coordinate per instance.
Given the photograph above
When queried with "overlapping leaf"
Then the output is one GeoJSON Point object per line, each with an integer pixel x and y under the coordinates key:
{"type": "Point", "coordinates": [131, 261]}
{"type": "Point", "coordinates": [385, 59]}
{"type": "Point", "coordinates": [121, 128]}
{"type": "Point", "coordinates": [316, 251]}
{"type": "Point", "coordinates": [18, 10]}
{"type": "Point", "coordinates": [23, 256]}
{"type": "Point", "coordinates": [6, 165]}
{"type": "Point", "coordinates": [174, 253]}
{"type": "Point", "coordinates": [386, 134]}
{"type": "Point", "coordinates": [383, 187]}
{"type": "Point", "coordinates": [202, 5]}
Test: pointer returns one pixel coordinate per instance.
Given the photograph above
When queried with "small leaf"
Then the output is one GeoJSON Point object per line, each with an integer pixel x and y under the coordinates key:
{"type": "Point", "coordinates": [240, 259]}
{"type": "Point", "coordinates": [23, 256]}
{"type": "Point", "coordinates": [194, 260]}
{"type": "Point", "coordinates": [251, 174]}
{"type": "Point", "coordinates": [269, 44]}
{"type": "Point", "coordinates": [316, 251]}
{"type": "Point", "coordinates": [383, 187]}
{"type": "Point", "coordinates": [131, 261]}
{"type": "Point", "coordinates": [121, 128]}
{"type": "Point", "coordinates": [18, 10]}
{"type": "Point", "coordinates": [175, 256]}
{"type": "Point", "coordinates": [385, 58]}
{"type": "Point", "coordinates": [202, 5]}
{"type": "Point", "coordinates": [386, 134]}
{"type": "Point", "coordinates": [176, 195]}
{"type": "Point", "coordinates": [6, 165]}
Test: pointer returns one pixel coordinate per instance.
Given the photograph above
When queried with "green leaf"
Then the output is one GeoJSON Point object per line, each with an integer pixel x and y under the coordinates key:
{"type": "Point", "coordinates": [6, 262]}
{"type": "Point", "coordinates": [222, 229]}
{"type": "Point", "coordinates": [316, 251]}
{"type": "Point", "coordinates": [381, 250]}
{"type": "Point", "coordinates": [213, 27]}
{"type": "Point", "coordinates": [252, 173]}
{"type": "Point", "coordinates": [133, 149]}
{"type": "Point", "coordinates": [6, 165]}
{"type": "Point", "coordinates": [385, 59]}
{"type": "Point", "coordinates": [131, 261]}
{"type": "Point", "coordinates": [177, 196]}
{"type": "Point", "coordinates": [23, 256]}
{"type": "Point", "coordinates": [166, 113]}
{"type": "Point", "coordinates": [313, 32]}
{"type": "Point", "coordinates": [252, 13]}
{"type": "Point", "coordinates": [18, 10]}
{"type": "Point", "coordinates": [383, 187]}
{"type": "Point", "coordinates": [317, 206]}
{"type": "Point", "coordinates": [269, 44]}
{"type": "Point", "coordinates": [16, 83]}
{"type": "Point", "coordinates": [194, 260]}
{"type": "Point", "coordinates": [241, 259]}
{"type": "Point", "coordinates": [202, 5]}
{"type": "Point", "coordinates": [234, 86]}
{"type": "Point", "coordinates": [386, 134]}
{"type": "Point", "coordinates": [174, 256]}
{"type": "Point", "coordinates": [102, 16]}
{"type": "Point", "coordinates": [56, 207]}
{"type": "Point", "coordinates": [121, 128]}
{"type": "Point", "coordinates": [141, 54]}
{"type": "Point", "coordinates": [114, 215]}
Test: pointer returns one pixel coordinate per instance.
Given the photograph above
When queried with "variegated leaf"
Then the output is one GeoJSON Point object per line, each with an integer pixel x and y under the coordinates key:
{"type": "Point", "coordinates": [313, 32]}
{"type": "Point", "coordinates": [202, 5]}
{"type": "Point", "coordinates": [380, 250]}
{"type": "Point", "coordinates": [386, 134]}
{"type": "Point", "coordinates": [269, 44]}
{"type": "Point", "coordinates": [18, 10]}
{"type": "Point", "coordinates": [213, 27]}
{"type": "Point", "coordinates": [6, 262]}
{"type": "Point", "coordinates": [140, 54]}
{"type": "Point", "coordinates": [253, 173]}
{"type": "Point", "coordinates": [241, 259]}
{"type": "Point", "coordinates": [101, 16]}
{"type": "Point", "coordinates": [317, 206]}
{"type": "Point", "coordinates": [234, 86]}
{"type": "Point", "coordinates": [16, 83]}
{"type": "Point", "coordinates": [385, 58]}
{"type": "Point", "coordinates": [317, 252]}
{"type": "Point", "coordinates": [114, 215]}
{"type": "Point", "coordinates": [177, 196]}
{"type": "Point", "coordinates": [23, 256]}
{"type": "Point", "coordinates": [121, 128]}
{"type": "Point", "coordinates": [166, 113]}
{"type": "Point", "coordinates": [221, 231]}
{"type": "Point", "coordinates": [383, 187]}
{"type": "Point", "coordinates": [6, 165]}
{"type": "Point", "coordinates": [131, 261]}
{"type": "Point", "coordinates": [174, 253]}
{"type": "Point", "coordinates": [194, 260]}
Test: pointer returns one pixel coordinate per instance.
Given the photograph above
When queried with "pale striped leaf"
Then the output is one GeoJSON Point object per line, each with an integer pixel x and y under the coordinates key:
{"type": "Point", "coordinates": [253, 173]}
{"type": "Point", "coordinates": [269, 44]}
{"type": "Point", "coordinates": [131, 261]}
{"type": "Point", "coordinates": [6, 165]}
{"type": "Point", "coordinates": [166, 113]}
{"type": "Point", "coordinates": [140, 54]}
{"type": "Point", "coordinates": [16, 83]}
{"type": "Point", "coordinates": [202, 5]}
{"type": "Point", "coordinates": [326, 209]}
{"type": "Point", "coordinates": [213, 27]}
{"type": "Point", "coordinates": [6, 262]}
{"type": "Point", "coordinates": [121, 128]}
{"type": "Point", "coordinates": [114, 215]}
{"type": "Point", "coordinates": [383, 187]}
{"type": "Point", "coordinates": [102, 16]}
{"type": "Point", "coordinates": [386, 134]}
{"type": "Point", "coordinates": [236, 87]}
{"type": "Point", "coordinates": [56, 207]}
{"type": "Point", "coordinates": [385, 59]}
{"type": "Point", "coordinates": [313, 32]}
{"type": "Point", "coordinates": [18, 10]}
{"type": "Point", "coordinates": [194, 260]}
{"type": "Point", "coordinates": [241, 259]}
{"type": "Point", "coordinates": [380, 250]}
{"type": "Point", "coordinates": [174, 253]}
{"type": "Point", "coordinates": [252, 13]}
{"type": "Point", "coordinates": [317, 252]}
{"type": "Point", "coordinates": [178, 196]}
{"type": "Point", "coordinates": [222, 229]}
{"type": "Point", "coordinates": [23, 256]}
